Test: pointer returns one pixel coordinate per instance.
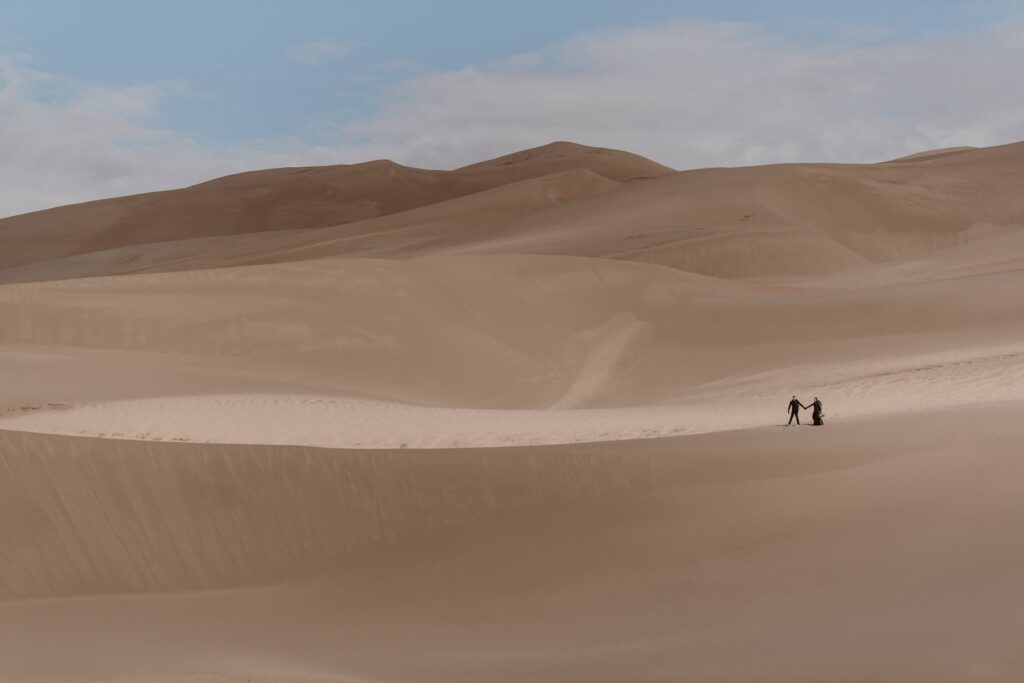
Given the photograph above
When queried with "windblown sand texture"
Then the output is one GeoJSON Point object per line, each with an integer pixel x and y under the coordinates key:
{"type": "Point", "coordinates": [519, 421]}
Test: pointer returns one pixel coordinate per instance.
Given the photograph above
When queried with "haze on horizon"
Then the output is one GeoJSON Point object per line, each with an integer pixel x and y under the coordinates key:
{"type": "Point", "coordinates": [109, 99]}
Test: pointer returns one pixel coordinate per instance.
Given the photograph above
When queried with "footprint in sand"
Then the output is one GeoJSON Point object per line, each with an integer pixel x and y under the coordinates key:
{"type": "Point", "coordinates": [50, 406]}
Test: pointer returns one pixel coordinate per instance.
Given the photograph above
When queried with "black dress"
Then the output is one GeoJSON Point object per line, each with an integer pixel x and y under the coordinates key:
{"type": "Point", "coordinates": [818, 416]}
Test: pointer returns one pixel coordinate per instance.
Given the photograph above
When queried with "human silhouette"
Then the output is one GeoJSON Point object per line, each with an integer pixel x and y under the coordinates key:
{"type": "Point", "coordinates": [794, 411]}
{"type": "Point", "coordinates": [818, 414]}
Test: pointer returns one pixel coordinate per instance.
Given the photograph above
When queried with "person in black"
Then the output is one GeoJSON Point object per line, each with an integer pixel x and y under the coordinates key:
{"type": "Point", "coordinates": [818, 416]}
{"type": "Point", "coordinates": [794, 411]}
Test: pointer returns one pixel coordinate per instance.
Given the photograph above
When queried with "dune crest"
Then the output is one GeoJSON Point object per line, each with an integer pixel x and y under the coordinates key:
{"type": "Point", "coordinates": [508, 564]}
{"type": "Point", "coordinates": [794, 220]}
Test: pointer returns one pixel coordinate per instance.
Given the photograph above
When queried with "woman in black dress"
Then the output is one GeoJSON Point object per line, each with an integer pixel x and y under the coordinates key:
{"type": "Point", "coordinates": [818, 414]}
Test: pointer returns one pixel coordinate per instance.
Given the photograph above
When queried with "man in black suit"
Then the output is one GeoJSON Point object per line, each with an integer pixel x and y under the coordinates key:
{"type": "Point", "coordinates": [794, 411]}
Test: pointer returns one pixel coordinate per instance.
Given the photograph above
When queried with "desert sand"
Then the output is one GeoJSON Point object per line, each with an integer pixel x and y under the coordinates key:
{"type": "Point", "coordinates": [522, 420]}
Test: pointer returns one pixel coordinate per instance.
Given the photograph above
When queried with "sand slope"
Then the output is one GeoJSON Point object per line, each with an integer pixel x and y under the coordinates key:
{"type": "Point", "coordinates": [773, 221]}
{"type": "Point", "coordinates": [931, 154]}
{"type": "Point", "coordinates": [405, 233]}
{"type": "Point", "coordinates": [418, 352]}
{"type": "Point", "coordinates": [789, 553]}
{"type": "Point", "coordinates": [521, 421]}
{"type": "Point", "coordinates": [282, 199]}
{"type": "Point", "coordinates": [558, 156]}
{"type": "Point", "coordinates": [789, 220]}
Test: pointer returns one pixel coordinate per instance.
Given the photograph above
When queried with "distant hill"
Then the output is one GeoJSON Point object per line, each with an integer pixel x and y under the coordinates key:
{"type": "Point", "coordinates": [785, 220]}
{"type": "Point", "coordinates": [285, 199]}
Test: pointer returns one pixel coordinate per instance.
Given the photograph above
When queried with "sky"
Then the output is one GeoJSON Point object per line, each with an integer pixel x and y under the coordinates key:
{"type": "Point", "coordinates": [107, 97]}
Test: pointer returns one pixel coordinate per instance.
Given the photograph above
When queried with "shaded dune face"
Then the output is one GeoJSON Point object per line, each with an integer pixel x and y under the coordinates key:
{"type": "Point", "coordinates": [91, 516]}
{"type": "Point", "coordinates": [251, 515]}
{"type": "Point", "coordinates": [598, 562]}
{"type": "Point", "coordinates": [414, 231]}
{"type": "Point", "coordinates": [282, 199]}
{"type": "Point", "coordinates": [772, 221]}
{"type": "Point", "coordinates": [790, 220]}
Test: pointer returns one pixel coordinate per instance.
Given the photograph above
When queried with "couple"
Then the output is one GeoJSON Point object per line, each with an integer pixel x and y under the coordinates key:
{"type": "Point", "coordinates": [794, 411]}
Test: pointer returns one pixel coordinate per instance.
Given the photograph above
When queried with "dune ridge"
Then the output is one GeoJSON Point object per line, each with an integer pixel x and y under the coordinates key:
{"type": "Point", "coordinates": [762, 222]}
{"type": "Point", "coordinates": [508, 564]}
{"type": "Point", "coordinates": [278, 199]}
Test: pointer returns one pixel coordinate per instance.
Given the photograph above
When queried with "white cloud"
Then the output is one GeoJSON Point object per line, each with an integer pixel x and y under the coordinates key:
{"type": "Point", "coordinates": [696, 94]}
{"type": "Point", "coordinates": [63, 142]}
{"type": "Point", "coordinates": [686, 94]}
{"type": "Point", "coordinates": [319, 52]}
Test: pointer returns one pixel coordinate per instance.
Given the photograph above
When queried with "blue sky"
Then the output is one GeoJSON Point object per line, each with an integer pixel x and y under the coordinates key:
{"type": "Point", "coordinates": [233, 83]}
{"type": "Point", "coordinates": [239, 58]}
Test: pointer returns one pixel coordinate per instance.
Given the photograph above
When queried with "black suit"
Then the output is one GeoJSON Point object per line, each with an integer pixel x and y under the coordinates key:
{"type": "Point", "coordinates": [794, 411]}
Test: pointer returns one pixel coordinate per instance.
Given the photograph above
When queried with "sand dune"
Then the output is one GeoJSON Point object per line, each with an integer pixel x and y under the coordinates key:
{"type": "Point", "coordinates": [478, 332]}
{"type": "Point", "coordinates": [560, 156]}
{"type": "Point", "coordinates": [282, 199]}
{"type": "Point", "coordinates": [790, 553]}
{"type": "Point", "coordinates": [816, 218]}
{"type": "Point", "coordinates": [405, 233]}
{"type": "Point", "coordinates": [773, 221]}
{"type": "Point", "coordinates": [931, 154]}
{"type": "Point", "coordinates": [519, 421]}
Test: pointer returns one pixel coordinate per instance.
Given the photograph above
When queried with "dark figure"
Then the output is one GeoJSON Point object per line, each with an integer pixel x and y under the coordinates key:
{"type": "Point", "coordinates": [794, 411]}
{"type": "Point", "coordinates": [818, 416]}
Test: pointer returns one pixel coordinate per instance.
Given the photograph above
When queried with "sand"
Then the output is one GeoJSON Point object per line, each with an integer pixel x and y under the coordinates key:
{"type": "Point", "coordinates": [519, 421]}
{"type": "Point", "coordinates": [777, 221]}
{"type": "Point", "coordinates": [789, 553]}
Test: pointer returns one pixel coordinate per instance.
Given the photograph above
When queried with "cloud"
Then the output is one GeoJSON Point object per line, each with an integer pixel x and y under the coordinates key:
{"type": "Point", "coordinates": [319, 52]}
{"type": "Point", "coordinates": [63, 141]}
{"type": "Point", "coordinates": [694, 94]}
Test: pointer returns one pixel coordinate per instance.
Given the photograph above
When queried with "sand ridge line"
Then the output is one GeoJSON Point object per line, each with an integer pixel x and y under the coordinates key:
{"type": "Point", "coordinates": [853, 391]}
